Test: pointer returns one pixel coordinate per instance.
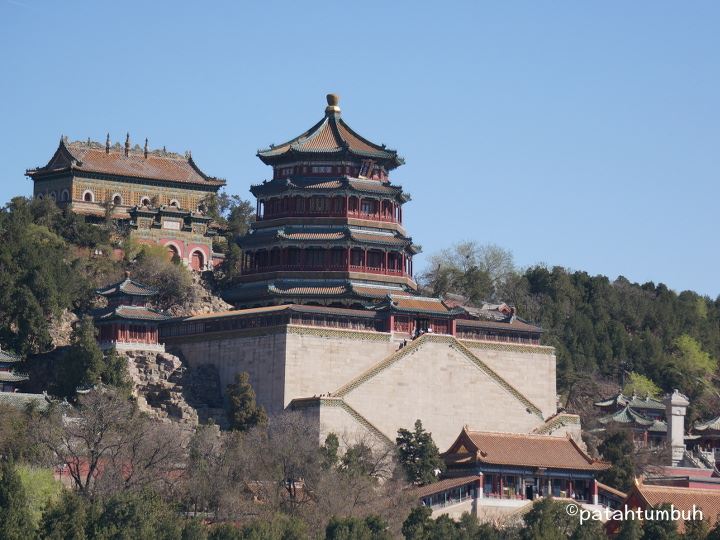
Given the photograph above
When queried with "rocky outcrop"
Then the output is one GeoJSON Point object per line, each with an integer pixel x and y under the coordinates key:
{"type": "Point", "coordinates": [168, 391]}
{"type": "Point", "coordinates": [203, 300]}
{"type": "Point", "coordinates": [157, 386]}
{"type": "Point", "coordinates": [61, 328]}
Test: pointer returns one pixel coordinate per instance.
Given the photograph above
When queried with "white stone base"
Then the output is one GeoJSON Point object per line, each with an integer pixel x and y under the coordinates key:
{"type": "Point", "coordinates": [125, 346]}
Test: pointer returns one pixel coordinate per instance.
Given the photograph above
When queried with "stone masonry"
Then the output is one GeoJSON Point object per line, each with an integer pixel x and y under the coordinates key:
{"type": "Point", "coordinates": [350, 380]}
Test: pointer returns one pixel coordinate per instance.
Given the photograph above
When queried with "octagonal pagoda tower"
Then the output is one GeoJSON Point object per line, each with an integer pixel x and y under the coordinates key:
{"type": "Point", "coordinates": [329, 226]}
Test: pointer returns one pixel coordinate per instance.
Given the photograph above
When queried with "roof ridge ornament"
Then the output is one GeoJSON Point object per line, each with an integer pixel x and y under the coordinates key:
{"type": "Point", "coordinates": [146, 147]}
{"type": "Point", "coordinates": [127, 144]}
{"type": "Point", "coordinates": [333, 107]}
{"type": "Point", "coordinates": [107, 143]}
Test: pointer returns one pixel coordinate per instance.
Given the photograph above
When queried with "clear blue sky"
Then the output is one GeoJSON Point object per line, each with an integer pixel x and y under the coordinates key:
{"type": "Point", "coordinates": [573, 133]}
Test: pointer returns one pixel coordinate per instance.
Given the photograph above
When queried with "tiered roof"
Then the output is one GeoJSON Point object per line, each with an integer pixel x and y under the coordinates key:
{"type": "Point", "coordinates": [6, 357]}
{"type": "Point", "coordinates": [326, 186]}
{"type": "Point", "coordinates": [127, 287]}
{"type": "Point", "coordinates": [330, 137]}
{"type": "Point", "coordinates": [636, 402]}
{"type": "Point", "coordinates": [131, 313]}
{"type": "Point", "coordinates": [136, 162]}
{"type": "Point", "coordinates": [712, 425]}
{"type": "Point", "coordinates": [12, 377]}
{"type": "Point", "coordinates": [322, 288]}
{"type": "Point", "coordinates": [631, 418]}
{"type": "Point", "coordinates": [7, 373]}
{"type": "Point", "coordinates": [306, 235]}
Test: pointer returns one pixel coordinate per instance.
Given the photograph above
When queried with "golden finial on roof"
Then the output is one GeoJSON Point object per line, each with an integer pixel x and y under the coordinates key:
{"type": "Point", "coordinates": [333, 101]}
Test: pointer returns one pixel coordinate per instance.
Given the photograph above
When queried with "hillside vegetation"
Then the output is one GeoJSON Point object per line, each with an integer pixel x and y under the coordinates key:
{"type": "Point", "coordinates": [617, 331]}
{"type": "Point", "coordinates": [601, 329]}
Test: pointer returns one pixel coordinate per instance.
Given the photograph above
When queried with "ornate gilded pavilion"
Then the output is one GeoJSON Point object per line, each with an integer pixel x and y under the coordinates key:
{"type": "Point", "coordinates": [329, 227]}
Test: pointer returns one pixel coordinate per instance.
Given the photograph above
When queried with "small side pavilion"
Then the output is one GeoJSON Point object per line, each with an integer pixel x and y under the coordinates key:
{"type": "Point", "coordinates": [9, 378]}
{"type": "Point", "coordinates": [127, 323]}
{"type": "Point", "coordinates": [647, 432]}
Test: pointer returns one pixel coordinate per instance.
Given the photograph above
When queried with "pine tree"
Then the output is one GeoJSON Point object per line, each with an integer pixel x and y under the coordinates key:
{"type": "Point", "coordinates": [418, 524]}
{"type": "Point", "coordinates": [67, 519]}
{"type": "Point", "coordinates": [244, 412]}
{"type": "Point", "coordinates": [115, 371]}
{"type": "Point", "coordinates": [15, 517]}
{"type": "Point", "coordinates": [419, 455]}
{"type": "Point", "coordinates": [329, 451]}
{"type": "Point", "coordinates": [618, 449]}
{"type": "Point", "coordinates": [83, 363]}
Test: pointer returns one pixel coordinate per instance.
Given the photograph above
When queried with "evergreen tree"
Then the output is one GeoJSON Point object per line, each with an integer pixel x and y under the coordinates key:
{"type": "Point", "coordinates": [660, 529]}
{"type": "Point", "coordinates": [115, 371]}
{"type": "Point", "coordinates": [244, 412]}
{"type": "Point", "coordinates": [329, 451]}
{"type": "Point", "coordinates": [37, 278]}
{"type": "Point", "coordinates": [714, 533]}
{"type": "Point", "coordinates": [548, 520]}
{"type": "Point", "coordinates": [418, 455]}
{"type": "Point", "coordinates": [137, 515]}
{"type": "Point", "coordinates": [83, 363]}
{"type": "Point", "coordinates": [696, 529]}
{"type": "Point", "coordinates": [15, 518]}
{"type": "Point", "coordinates": [353, 528]}
{"type": "Point", "coordinates": [358, 460]}
{"type": "Point", "coordinates": [631, 530]}
{"type": "Point", "coordinates": [618, 449]}
{"type": "Point", "coordinates": [418, 524]}
{"type": "Point", "coordinates": [67, 519]}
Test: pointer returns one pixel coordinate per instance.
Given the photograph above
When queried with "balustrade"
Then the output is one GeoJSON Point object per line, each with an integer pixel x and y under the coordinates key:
{"type": "Point", "coordinates": [326, 268]}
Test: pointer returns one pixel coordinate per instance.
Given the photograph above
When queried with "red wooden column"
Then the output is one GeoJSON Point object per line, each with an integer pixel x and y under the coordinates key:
{"type": "Point", "coordinates": [386, 262]}
{"type": "Point", "coordinates": [365, 260]}
{"type": "Point", "coordinates": [347, 258]}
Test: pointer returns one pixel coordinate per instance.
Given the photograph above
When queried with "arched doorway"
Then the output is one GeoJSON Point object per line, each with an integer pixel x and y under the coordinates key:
{"type": "Point", "coordinates": [172, 252]}
{"type": "Point", "coordinates": [197, 261]}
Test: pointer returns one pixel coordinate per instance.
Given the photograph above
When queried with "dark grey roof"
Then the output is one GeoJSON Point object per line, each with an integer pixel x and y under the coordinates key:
{"type": "Point", "coordinates": [127, 287]}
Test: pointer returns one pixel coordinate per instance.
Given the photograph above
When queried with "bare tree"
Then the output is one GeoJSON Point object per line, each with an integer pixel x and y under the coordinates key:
{"type": "Point", "coordinates": [286, 472]}
{"type": "Point", "coordinates": [106, 445]}
{"type": "Point", "coordinates": [478, 272]}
